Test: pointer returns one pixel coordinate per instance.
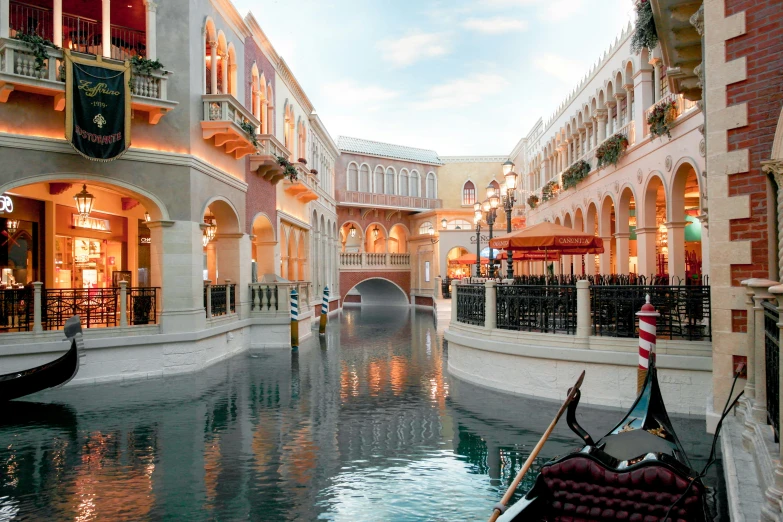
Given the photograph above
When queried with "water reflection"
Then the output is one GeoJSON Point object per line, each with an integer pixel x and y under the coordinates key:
{"type": "Point", "coordinates": [363, 425]}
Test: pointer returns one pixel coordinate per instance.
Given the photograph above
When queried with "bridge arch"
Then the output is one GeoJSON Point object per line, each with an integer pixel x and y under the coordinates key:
{"type": "Point", "coordinates": [375, 290]}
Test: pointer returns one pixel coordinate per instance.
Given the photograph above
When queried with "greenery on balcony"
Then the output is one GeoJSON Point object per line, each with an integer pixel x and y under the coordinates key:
{"type": "Point", "coordinates": [645, 35]}
{"type": "Point", "coordinates": [575, 173]}
{"type": "Point", "coordinates": [39, 45]}
{"type": "Point", "coordinates": [611, 150]}
{"type": "Point", "coordinates": [549, 191]}
{"type": "Point", "coordinates": [250, 130]}
{"type": "Point", "coordinates": [660, 118]}
{"type": "Point", "coordinates": [289, 171]}
{"type": "Point", "coordinates": [144, 67]}
{"type": "Point", "coordinates": [532, 201]}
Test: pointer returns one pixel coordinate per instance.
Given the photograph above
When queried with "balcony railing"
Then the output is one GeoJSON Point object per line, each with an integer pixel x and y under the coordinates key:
{"type": "Point", "coordinates": [369, 199]}
{"type": "Point", "coordinates": [305, 187]}
{"type": "Point", "coordinates": [681, 106]}
{"type": "Point", "coordinates": [275, 297]}
{"type": "Point", "coordinates": [264, 161]}
{"type": "Point", "coordinates": [375, 261]}
{"type": "Point", "coordinates": [18, 73]}
{"type": "Point", "coordinates": [772, 364]}
{"type": "Point", "coordinates": [228, 122]}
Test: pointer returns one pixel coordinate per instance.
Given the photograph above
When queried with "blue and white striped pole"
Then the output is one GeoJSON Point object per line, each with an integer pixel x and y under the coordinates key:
{"type": "Point", "coordinates": [324, 312]}
{"type": "Point", "coordinates": [294, 319]}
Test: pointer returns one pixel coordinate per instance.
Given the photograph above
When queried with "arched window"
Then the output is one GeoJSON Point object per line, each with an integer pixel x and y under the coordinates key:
{"type": "Point", "coordinates": [378, 180]}
{"type": "Point", "coordinates": [288, 129]}
{"type": "Point", "coordinates": [302, 140]}
{"type": "Point", "coordinates": [364, 179]}
{"type": "Point", "coordinates": [458, 224]}
{"type": "Point", "coordinates": [425, 227]}
{"type": "Point", "coordinates": [415, 184]}
{"type": "Point", "coordinates": [353, 177]}
{"type": "Point", "coordinates": [468, 193]}
{"type": "Point", "coordinates": [231, 75]}
{"type": "Point", "coordinates": [404, 182]}
{"type": "Point", "coordinates": [432, 187]}
{"type": "Point", "coordinates": [389, 180]}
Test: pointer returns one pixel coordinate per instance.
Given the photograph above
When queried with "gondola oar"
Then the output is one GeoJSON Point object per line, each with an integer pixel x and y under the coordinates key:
{"type": "Point", "coordinates": [500, 507]}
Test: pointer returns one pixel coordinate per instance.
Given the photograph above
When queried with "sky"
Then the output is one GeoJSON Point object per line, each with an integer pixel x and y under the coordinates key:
{"type": "Point", "coordinates": [461, 77]}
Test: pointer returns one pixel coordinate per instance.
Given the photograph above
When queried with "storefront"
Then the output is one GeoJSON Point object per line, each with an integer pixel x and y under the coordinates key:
{"type": "Point", "coordinates": [20, 241]}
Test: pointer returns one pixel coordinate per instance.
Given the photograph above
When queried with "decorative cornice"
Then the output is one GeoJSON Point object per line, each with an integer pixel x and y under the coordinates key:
{"type": "Point", "coordinates": [232, 16]}
{"type": "Point", "coordinates": [289, 79]}
{"type": "Point", "coordinates": [473, 159]}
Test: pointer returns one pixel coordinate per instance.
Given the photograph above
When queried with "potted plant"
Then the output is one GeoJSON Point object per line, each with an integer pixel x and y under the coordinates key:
{"type": "Point", "coordinates": [549, 191]}
{"type": "Point", "coordinates": [289, 171]}
{"type": "Point", "coordinates": [39, 45]}
{"type": "Point", "coordinates": [532, 201]}
{"type": "Point", "coordinates": [645, 34]}
{"type": "Point", "coordinates": [575, 173]}
{"type": "Point", "coordinates": [611, 150]}
{"type": "Point", "coordinates": [302, 161]}
{"type": "Point", "coordinates": [661, 117]}
{"type": "Point", "coordinates": [313, 172]}
{"type": "Point", "coordinates": [144, 67]}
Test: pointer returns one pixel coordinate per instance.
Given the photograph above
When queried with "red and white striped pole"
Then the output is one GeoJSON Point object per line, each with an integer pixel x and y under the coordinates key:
{"type": "Point", "coordinates": [648, 319]}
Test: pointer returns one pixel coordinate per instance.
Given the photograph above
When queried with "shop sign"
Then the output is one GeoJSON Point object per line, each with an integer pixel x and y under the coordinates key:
{"type": "Point", "coordinates": [484, 239]}
{"type": "Point", "coordinates": [145, 240]}
{"type": "Point", "coordinates": [91, 223]}
{"type": "Point", "coordinates": [6, 204]}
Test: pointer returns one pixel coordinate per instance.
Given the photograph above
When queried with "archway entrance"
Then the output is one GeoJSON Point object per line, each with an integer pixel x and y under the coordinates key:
{"type": "Point", "coordinates": [220, 237]}
{"type": "Point", "coordinates": [684, 231]}
{"type": "Point", "coordinates": [264, 243]}
{"type": "Point", "coordinates": [627, 261]}
{"type": "Point", "coordinates": [378, 291]}
{"type": "Point", "coordinates": [457, 270]}
{"type": "Point", "coordinates": [652, 238]}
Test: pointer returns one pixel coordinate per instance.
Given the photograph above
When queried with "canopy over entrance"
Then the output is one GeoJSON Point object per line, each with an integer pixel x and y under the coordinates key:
{"type": "Point", "coordinates": [550, 237]}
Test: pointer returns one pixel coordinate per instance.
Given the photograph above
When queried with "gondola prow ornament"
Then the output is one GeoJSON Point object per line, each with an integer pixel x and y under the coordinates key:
{"type": "Point", "coordinates": [648, 320]}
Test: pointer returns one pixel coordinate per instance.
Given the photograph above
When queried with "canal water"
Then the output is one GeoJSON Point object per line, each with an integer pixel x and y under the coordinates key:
{"type": "Point", "coordinates": [365, 425]}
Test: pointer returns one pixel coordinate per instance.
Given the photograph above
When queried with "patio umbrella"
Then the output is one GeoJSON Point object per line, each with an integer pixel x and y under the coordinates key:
{"type": "Point", "coordinates": [530, 256]}
{"type": "Point", "coordinates": [548, 237]}
{"type": "Point", "coordinates": [468, 259]}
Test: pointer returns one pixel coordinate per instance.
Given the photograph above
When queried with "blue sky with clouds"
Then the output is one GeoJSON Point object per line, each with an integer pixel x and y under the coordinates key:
{"type": "Point", "coordinates": [459, 77]}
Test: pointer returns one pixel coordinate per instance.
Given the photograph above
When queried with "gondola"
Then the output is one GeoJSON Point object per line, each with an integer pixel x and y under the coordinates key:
{"type": "Point", "coordinates": [49, 375]}
{"type": "Point", "coordinates": [638, 471]}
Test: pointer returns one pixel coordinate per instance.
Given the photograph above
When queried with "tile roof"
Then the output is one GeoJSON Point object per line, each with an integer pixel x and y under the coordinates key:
{"type": "Point", "coordinates": [387, 150]}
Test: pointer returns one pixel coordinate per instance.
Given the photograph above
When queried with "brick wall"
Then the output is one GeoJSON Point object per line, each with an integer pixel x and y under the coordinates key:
{"type": "Point", "coordinates": [261, 195]}
{"type": "Point", "coordinates": [762, 47]}
{"type": "Point", "coordinates": [350, 279]}
{"type": "Point", "coordinates": [739, 321]}
{"type": "Point", "coordinates": [424, 301]}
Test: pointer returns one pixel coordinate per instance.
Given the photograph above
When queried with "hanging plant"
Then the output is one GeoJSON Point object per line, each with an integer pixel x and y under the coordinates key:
{"type": "Point", "coordinates": [250, 130]}
{"type": "Point", "coordinates": [302, 161]}
{"type": "Point", "coordinates": [549, 191]}
{"type": "Point", "coordinates": [661, 117]}
{"type": "Point", "coordinates": [313, 172]}
{"type": "Point", "coordinates": [645, 35]}
{"type": "Point", "coordinates": [143, 67]}
{"type": "Point", "coordinates": [532, 201]}
{"type": "Point", "coordinates": [39, 45]}
{"type": "Point", "coordinates": [575, 173]}
{"type": "Point", "coordinates": [611, 150]}
{"type": "Point", "coordinates": [289, 171]}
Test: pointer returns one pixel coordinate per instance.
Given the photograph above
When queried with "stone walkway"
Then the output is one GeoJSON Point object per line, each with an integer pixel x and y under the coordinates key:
{"type": "Point", "coordinates": [443, 313]}
{"type": "Point", "coordinates": [742, 485]}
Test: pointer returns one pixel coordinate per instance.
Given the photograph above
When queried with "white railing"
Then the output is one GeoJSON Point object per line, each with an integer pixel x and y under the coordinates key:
{"type": "Point", "coordinates": [275, 298]}
{"type": "Point", "coordinates": [269, 145]}
{"type": "Point", "coordinates": [374, 260]}
{"type": "Point", "coordinates": [387, 200]}
{"type": "Point", "coordinates": [224, 107]}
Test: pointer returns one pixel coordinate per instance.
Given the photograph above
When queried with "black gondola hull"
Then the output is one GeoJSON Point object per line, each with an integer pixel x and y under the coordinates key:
{"type": "Point", "coordinates": [49, 375]}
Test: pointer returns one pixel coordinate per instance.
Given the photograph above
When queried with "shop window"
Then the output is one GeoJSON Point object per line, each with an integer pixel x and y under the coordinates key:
{"type": "Point", "coordinates": [468, 193]}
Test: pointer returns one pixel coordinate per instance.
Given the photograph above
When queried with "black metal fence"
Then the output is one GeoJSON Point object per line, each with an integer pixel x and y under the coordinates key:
{"type": "Point", "coordinates": [684, 309]}
{"type": "Point", "coordinates": [471, 304]}
{"type": "Point", "coordinates": [97, 307]}
{"type": "Point", "coordinates": [537, 308]}
{"type": "Point", "coordinates": [219, 300]}
{"type": "Point", "coordinates": [445, 287]}
{"type": "Point", "coordinates": [16, 310]}
{"type": "Point", "coordinates": [142, 305]}
{"type": "Point", "coordinates": [772, 365]}
{"type": "Point", "coordinates": [233, 303]}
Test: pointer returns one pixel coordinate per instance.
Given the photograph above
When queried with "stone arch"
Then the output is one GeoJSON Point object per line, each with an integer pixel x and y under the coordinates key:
{"type": "Point", "coordinates": [264, 244]}
{"type": "Point", "coordinates": [379, 291]}
{"type": "Point", "coordinates": [398, 239]}
{"type": "Point", "coordinates": [228, 219]}
{"type": "Point", "coordinates": [375, 244]}
{"type": "Point", "coordinates": [606, 228]}
{"type": "Point", "coordinates": [684, 229]}
{"type": "Point", "coordinates": [364, 178]}
{"type": "Point", "coordinates": [355, 243]}
{"type": "Point", "coordinates": [653, 253]}
{"type": "Point", "coordinates": [677, 186]}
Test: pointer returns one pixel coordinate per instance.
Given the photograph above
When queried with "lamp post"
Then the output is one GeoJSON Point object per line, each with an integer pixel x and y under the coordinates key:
{"type": "Point", "coordinates": [509, 198]}
{"type": "Point", "coordinates": [490, 206]}
{"type": "Point", "coordinates": [477, 221]}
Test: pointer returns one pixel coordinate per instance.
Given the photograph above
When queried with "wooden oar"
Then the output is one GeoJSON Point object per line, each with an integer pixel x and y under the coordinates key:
{"type": "Point", "coordinates": [533, 454]}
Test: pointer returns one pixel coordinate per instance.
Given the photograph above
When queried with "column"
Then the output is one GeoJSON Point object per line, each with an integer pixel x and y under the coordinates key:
{"type": "Point", "coordinates": [595, 132]}
{"type": "Point", "coordinates": [642, 97]}
{"type": "Point", "coordinates": [264, 117]}
{"type": "Point", "coordinates": [106, 28]}
{"type": "Point", "coordinates": [123, 304]}
{"type": "Point", "coordinates": [224, 72]}
{"type": "Point", "coordinates": [610, 105]}
{"type": "Point", "coordinates": [5, 18]}
{"type": "Point", "coordinates": [213, 67]}
{"type": "Point", "coordinates": [774, 492]}
{"type": "Point", "coordinates": [645, 245]}
{"type": "Point", "coordinates": [630, 100]}
{"type": "Point", "coordinates": [622, 246]}
{"type": "Point", "coordinates": [57, 23]}
{"type": "Point", "coordinates": [37, 325]}
{"type": "Point", "coordinates": [656, 63]}
{"type": "Point", "coordinates": [619, 97]}
{"type": "Point", "coordinates": [490, 306]}
{"type": "Point", "coordinates": [152, 44]}
{"type": "Point", "coordinates": [601, 118]}
{"type": "Point", "coordinates": [583, 328]}
{"type": "Point", "coordinates": [588, 136]}
{"type": "Point", "coordinates": [676, 244]}
{"type": "Point", "coordinates": [605, 259]}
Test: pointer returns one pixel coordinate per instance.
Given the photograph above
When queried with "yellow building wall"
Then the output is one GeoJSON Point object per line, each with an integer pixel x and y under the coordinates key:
{"type": "Point", "coordinates": [452, 177]}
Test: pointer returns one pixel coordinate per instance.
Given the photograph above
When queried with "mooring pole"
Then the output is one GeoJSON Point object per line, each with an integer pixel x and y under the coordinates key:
{"type": "Point", "coordinates": [324, 312]}
{"type": "Point", "coordinates": [648, 319]}
{"type": "Point", "coordinates": [294, 319]}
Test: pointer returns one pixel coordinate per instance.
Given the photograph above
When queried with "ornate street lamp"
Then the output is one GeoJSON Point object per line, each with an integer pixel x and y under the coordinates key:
{"type": "Point", "coordinates": [490, 207]}
{"type": "Point", "coordinates": [352, 230]}
{"type": "Point", "coordinates": [84, 202]}
{"type": "Point", "coordinates": [12, 225]}
{"type": "Point", "coordinates": [211, 230]}
{"type": "Point", "coordinates": [204, 239]}
{"type": "Point", "coordinates": [444, 223]}
{"type": "Point", "coordinates": [509, 198]}
{"type": "Point", "coordinates": [477, 221]}
{"type": "Point", "coordinates": [431, 232]}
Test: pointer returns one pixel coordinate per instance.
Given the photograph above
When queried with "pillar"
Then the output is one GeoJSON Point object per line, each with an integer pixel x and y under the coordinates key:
{"type": "Point", "coordinates": [622, 246]}
{"type": "Point", "coordinates": [619, 96]}
{"type": "Point", "coordinates": [642, 92]}
{"type": "Point", "coordinates": [5, 18]}
{"type": "Point", "coordinates": [152, 44]}
{"type": "Point", "coordinates": [605, 259]}
{"type": "Point", "coordinates": [123, 304]}
{"type": "Point", "coordinates": [583, 328]}
{"type": "Point", "coordinates": [656, 63]}
{"type": "Point", "coordinates": [224, 72]}
{"type": "Point", "coordinates": [630, 98]}
{"type": "Point", "coordinates": [490, 305]}
{"type": "Point", "coordinates": [676, 245]}
{"type": "Point", "coordinates": [50, 241]}
{"type": "Point", "coordinates": [759, 411]}
{"type": "Point", "coordinates": [754, 337]}
{"type": "Point", "coordinates": [37, 325]}
{"type": "Point", "coordinates": [57, 23]}
{"type": "Point", "coordinates": [106, 28]}
{"type": "Point", "coordinates": [774, 492]}
{"type": "Point", "coordinates": [645, 245]}
{"type": "Point", "coordinates": [454, 289]}
{"type": "Point", "coordinates": [601, 119]}
{"type": "Point", "coordinates": [213, 67]}
{"type": "Point", "coordinates": [610, 105]}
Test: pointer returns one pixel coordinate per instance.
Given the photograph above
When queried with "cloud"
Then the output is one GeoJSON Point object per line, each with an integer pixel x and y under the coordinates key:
{"type": "Point", "coordinates": [462, 92]}
{"type": "Point", "coordinates": [558, 10]}
{"type": "Point", "coordinates": [414, 47]}
{"type": "Point", "coordinates": [350, 93]}
{"type": "Point", "coordinates": [497, 25]}
{"type": "Point", "coordinates": [564, 69]}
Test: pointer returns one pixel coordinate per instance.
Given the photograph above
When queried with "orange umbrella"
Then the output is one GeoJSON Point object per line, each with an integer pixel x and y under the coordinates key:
{"type": "Point", "coordinates": [468, 259]}
{"type": "Point", "coordinates": [549, 237]}
{"type": "Point", "coordinates": [530, 256]}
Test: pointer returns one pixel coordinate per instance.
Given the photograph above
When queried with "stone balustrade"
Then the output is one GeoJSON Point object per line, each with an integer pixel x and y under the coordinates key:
{"type": "Point", "coordinates": [374, 261]}
{"type": "Point", "coordinates": [369, 199]}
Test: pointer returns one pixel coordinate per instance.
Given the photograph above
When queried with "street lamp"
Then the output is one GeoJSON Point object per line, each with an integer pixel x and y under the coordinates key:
{"type": "Point", "coordinates": [477, 221]}
{"type": "Point", "coordinates": [490, 207]}
{"type": "Point", "coordinates": [147, 216]}
{"type": "Point", "coordinates": [352, 230]}
{"type": "Point", "coordinates": [375, 232]}
{"type": "Point", "coordinates": [444, 223]}
{"type": "Point", "coordinates": [84, 202]}
{"type": "Point", "coordinates": [509, 198]}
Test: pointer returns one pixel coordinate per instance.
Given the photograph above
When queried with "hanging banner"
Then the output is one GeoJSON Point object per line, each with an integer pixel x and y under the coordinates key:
{"type": "Point", "coordinates": [97, 107]}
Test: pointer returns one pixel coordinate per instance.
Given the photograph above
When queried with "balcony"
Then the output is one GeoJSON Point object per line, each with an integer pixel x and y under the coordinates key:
{"type": "Point", "coordinates": [366, 199]}
{"type": "Point", "coordinates": [304, 188]}
{"type": "Point", "coordinates": [681, 104]}
{"type": "Point", "coordinates": [225, 120]}
{"type": "Point", "coordinates": [264, 162]}
{"type": "Point", "coordinates": [18, 73]}
{"type": "Point", "coordinates": [374, 261]}
{"type": "Point", "coordinates": [680, 25]}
